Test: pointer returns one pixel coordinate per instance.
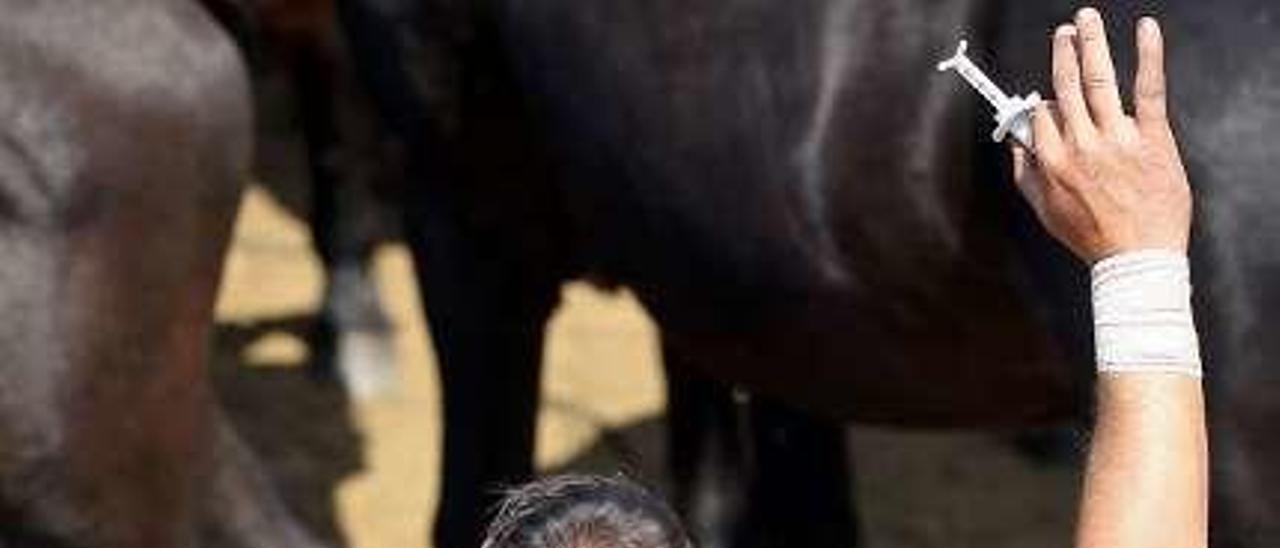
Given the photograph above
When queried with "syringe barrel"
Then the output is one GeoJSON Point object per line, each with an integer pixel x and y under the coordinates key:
{"type": "Point", "coordinates": [979, 80]}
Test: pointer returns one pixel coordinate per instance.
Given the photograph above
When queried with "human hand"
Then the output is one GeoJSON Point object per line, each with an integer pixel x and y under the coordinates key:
{"type": "Point", "coordinates": [1103, 182]}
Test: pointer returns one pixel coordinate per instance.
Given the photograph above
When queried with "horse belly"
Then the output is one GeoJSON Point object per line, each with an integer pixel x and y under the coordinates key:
{"type": "Point", "coordinates": [977, 358]}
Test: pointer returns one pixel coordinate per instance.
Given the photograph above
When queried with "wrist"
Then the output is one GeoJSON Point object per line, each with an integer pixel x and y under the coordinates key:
{"type": "Point", "coordinates": [1143, 321]}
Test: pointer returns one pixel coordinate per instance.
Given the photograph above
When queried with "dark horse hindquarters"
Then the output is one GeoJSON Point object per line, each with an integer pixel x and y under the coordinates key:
{"type": "Point", "coordinates": [805, 208]}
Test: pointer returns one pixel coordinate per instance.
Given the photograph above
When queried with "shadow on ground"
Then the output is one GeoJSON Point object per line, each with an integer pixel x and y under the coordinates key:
{"type": "Point", "coordinates": [913, 489]}
{"type": "Point", "coordinates": [299, 425]}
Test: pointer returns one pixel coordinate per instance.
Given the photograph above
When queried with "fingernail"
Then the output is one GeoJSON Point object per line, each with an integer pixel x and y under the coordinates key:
{"type": "Point", "coordinates": [1148, 24]}
{"type": "Point", "coordinates": [1065, 31]}
{"type": "Point", "coordinates": [1090, 14]}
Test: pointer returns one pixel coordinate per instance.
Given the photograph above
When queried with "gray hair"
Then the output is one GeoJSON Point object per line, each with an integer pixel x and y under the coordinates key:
{"type": "Point", "coordinates": [574, 511]}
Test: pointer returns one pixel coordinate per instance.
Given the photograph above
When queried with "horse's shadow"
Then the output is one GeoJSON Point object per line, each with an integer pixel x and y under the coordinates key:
{"type": "Point", "coordinates": [298, 424]}
{"type": "Point", "coordinates": [637, 450]}
{"type": "Point", "coordinates": [912, 489]}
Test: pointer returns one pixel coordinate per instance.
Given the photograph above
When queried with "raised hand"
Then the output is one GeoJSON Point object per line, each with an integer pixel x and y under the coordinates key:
{"type": "Point", "coordinates": [1104, 182]}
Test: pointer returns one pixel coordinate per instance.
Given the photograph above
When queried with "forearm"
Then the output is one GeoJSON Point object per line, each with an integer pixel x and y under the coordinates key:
{"type": "Point", "coordinates": [1146, 481]}
{"type": "Point", "coordinates": [1145, 486]}
{"type": "Point", "coordinates": [1112, 188]}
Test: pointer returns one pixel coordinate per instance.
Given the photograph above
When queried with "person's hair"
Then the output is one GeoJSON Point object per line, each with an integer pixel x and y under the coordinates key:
{"type": "Point", "coordinates": [574, 511]}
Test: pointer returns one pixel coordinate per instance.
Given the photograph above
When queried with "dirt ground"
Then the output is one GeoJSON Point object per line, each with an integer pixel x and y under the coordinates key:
{"type": "Point", "coordinates": [364, 474]}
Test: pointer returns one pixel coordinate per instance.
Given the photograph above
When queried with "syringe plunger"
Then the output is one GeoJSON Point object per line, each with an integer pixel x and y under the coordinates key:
{"type": "Point", "coordinates": [1013, 114]}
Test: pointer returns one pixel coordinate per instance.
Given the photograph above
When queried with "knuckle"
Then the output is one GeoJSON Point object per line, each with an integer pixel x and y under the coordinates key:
{"type": "Point", "coordinates": [1091, 35]}
{"type": "Point", "coordinates": [1053, 160]}
{"type": "Point", "coordinates": [1127, 137]}
{"type": "Point", "coordinates": [1066, 77]}
{"type": "Point", "coordinates": [1099, 82]}
{"type": "Point", "coordinates": [1151, 86]}
{"type": "Point", "coordinates": [1155, 132]}
{"type": "Point", "coordinates": [1086, 146]}
{"type": "Point", "coordinates": [1151, 93]}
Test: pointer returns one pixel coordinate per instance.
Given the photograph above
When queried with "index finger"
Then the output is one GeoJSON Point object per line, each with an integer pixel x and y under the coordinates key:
{"type": "Point", "coordinates": [1098, 73]}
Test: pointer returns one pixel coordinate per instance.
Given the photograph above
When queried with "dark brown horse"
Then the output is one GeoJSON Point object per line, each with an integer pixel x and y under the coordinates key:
{"type": "Point", "coordinates": [810, 214]}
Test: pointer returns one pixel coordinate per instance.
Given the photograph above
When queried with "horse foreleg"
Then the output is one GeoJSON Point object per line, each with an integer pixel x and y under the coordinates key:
{"type": "Point", "coordinates": [486, 317]}
{"type": "Point", "coordinates": [707, 452]}
{"type": "Point", "coordinates": [801, 491]}
{"type": "Point", "coordinates": [751, 472]}
{"type": "Point", "coordinates": [352, 337]}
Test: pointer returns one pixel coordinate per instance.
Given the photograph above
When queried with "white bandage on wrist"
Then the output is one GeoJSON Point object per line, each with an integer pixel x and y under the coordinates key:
{"type": "Point", "coordinates": [1142, 320]}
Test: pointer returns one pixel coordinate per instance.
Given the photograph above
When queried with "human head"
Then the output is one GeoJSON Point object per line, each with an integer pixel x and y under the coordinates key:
{"type": "Point", "coordinates": [575, 511]}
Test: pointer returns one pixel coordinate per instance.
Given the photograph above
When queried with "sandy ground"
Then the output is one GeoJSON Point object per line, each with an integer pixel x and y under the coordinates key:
{"type": "Point", "coordinates": [371, 465]}
{"type": "Point", "coordinates": [364, 474]}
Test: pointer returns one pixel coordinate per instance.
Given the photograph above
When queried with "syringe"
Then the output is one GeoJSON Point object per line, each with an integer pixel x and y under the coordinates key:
{"type": "Point", "coordinates": [1013, 114]}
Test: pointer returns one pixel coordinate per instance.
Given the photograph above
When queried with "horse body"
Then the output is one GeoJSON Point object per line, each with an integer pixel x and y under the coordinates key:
{"type": "Point", "coordinates": [806, 209]}
{"type": "Point", "coordinates": [796, 196]}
